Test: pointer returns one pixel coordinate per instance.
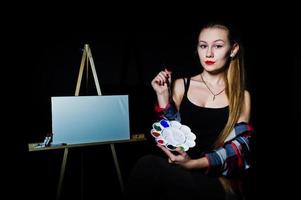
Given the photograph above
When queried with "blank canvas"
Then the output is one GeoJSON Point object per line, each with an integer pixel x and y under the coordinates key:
{"type": "Point", "coordinates": [89, 119]}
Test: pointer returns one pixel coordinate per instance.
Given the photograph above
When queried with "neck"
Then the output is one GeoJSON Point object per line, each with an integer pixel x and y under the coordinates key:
{"type": "Point", "coordinates": [213, 79]}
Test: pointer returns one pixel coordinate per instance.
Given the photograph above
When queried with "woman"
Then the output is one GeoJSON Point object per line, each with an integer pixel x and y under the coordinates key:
{"type": "Point", "coordinates": [216, 106]}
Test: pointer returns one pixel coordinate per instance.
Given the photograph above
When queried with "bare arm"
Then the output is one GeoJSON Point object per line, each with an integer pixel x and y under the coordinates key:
{"type": "Point", "coordinates": [178, 92]}
{"type": "Point", "coordinates": [246, 110]}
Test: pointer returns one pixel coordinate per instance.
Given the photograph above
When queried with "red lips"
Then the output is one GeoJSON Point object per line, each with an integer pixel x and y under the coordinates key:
{"type": "Point", "coordinates": [208, 62]}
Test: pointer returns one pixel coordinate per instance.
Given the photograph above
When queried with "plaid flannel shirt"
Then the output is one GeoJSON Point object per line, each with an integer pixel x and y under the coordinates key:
{"type": "Point", "coordinates": [233, 157]}
{"type": "Point", "coordinates": [229, 160]}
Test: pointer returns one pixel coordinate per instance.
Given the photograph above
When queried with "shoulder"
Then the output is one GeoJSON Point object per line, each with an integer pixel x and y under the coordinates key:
{"type": "Point", "coordinates": [179, 81]}
{"type": "Point", "coordinates": [247, 98]}
{"type": "Point", "coordinates": [246, 108]}
{"type": "Point", "coordinates": [179, 85]}
{"type": "Point", "coordinates": [178, 90]}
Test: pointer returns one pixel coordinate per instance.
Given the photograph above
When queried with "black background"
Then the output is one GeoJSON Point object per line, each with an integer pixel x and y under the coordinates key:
{"type": "Point", "coordinates": [129, 47]}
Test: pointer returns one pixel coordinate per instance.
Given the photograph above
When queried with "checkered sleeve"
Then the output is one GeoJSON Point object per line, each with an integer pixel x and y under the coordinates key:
{"type": "Point", "coordinates": [233, 157]}
{"type": "Point", "coordinates": [170, 112]}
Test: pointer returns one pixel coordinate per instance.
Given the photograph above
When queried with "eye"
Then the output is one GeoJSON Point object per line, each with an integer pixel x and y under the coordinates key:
{"type": "Point", "coordinates": [218, 46]}
{"type": "Point", "coordinates": [203, 46]}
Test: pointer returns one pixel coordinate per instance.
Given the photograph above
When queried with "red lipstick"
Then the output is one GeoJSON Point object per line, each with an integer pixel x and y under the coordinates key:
{"type": "Point", "coordinates": [208, 62]}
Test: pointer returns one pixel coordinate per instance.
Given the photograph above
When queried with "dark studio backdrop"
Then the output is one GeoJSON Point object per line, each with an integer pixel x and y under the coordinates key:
{"type": "Point", "coordinates": [128, 51]}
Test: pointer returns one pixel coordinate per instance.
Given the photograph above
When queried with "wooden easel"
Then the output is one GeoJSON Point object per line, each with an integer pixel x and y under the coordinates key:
{"type": "Point", "coordinates": [32, 147]}
{"type": "Point", "coordinates": [86, 59]}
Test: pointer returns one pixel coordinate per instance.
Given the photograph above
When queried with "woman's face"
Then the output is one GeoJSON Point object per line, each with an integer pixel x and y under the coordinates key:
{"type": "Point", "coordinates": [213, 48]}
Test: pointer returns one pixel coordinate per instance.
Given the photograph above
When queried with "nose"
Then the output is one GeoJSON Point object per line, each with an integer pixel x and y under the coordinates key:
{"type": "Point", "coordinates": [209, 53]}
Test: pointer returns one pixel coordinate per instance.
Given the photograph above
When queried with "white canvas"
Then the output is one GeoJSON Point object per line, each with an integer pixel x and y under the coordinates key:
{"type": "Point", "coordinates": [89, 119]}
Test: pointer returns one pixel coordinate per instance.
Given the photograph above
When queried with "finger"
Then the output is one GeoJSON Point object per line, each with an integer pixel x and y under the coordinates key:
{"type": "Point", "coordinates": [163, 76]}
{"type": "Point", "coordinates": [159, 80]}
{"type": "Point", "coordinates": [180, 150]}
{"type": "Point", "coordinates": [168, 72]}
{"type": "Point", "coordinates": [167, 76]}
{"type": "Point", "coordinates": [167, 152]}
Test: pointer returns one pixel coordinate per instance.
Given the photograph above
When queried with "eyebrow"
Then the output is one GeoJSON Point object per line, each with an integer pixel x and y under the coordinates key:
{"type": "Point", "coordinates": [218, 40]}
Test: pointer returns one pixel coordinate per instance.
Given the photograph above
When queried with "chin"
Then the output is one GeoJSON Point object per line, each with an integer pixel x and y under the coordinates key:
{"type": "Point", "coordinates": [214, 70]}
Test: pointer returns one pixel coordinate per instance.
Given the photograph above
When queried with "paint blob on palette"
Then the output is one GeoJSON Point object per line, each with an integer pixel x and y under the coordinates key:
{"type": "Point", "coordinates": [173, 134]}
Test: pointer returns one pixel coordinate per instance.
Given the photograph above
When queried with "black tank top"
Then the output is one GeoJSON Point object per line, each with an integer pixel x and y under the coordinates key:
{"type": "Point", "coordinates": [205, 123]}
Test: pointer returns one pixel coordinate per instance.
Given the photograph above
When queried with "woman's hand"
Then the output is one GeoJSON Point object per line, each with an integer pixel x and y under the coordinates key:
{"type": "Point", "coordinates": [183, 159]}
{"type": "Point", "coordinates": [161, 82]}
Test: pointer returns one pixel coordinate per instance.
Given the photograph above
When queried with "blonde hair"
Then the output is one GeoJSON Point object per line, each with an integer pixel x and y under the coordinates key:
{"type": "Point", "coordinates": [234, 83]}
{"type": "Point", "coordinates": [234, 88]}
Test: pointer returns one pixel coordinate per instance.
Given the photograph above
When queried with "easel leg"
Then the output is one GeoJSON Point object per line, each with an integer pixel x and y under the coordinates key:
{"type": "Point", "coordinates": [117, 167]}
{"type": "Point", "coordinates": [59, 188]}
{"type": "Point", "coordinates": [82, 177]}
